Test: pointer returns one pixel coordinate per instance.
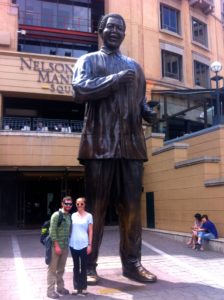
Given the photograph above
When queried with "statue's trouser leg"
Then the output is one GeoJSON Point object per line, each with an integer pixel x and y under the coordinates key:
{"type": "Point", "coordinates": [118, 181]}
{"type": "Point", "coordinates": [130, 213]}
{"type": "Point", "coordinates": [98, 181]}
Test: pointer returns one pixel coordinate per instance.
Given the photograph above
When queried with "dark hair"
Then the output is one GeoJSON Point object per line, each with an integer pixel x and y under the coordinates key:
{"type": "Point", "coordinates": [69, 198]}
{"type": "Point", "coordinates": [103, 21]}
{"type": "Point", "coordinates": [197, 216]}
{"type": "Point", "coordinates": [205, 216]}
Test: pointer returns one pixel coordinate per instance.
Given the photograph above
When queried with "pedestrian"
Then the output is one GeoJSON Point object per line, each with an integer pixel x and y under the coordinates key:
{"type": "Point", "coordinates": [81, 245]}
{"type": "Point", "coordinates": [206, 232]}
{"type": "Point", "coordinates": [112, 145]}
{"type": "Point", "coordinates": [194, 231]}
{"type": "Point", "coordinates": [60, 239]}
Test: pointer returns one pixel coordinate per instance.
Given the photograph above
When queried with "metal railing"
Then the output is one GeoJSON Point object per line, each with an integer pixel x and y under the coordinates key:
{"type": "Point", "coordinates": [41, 124]}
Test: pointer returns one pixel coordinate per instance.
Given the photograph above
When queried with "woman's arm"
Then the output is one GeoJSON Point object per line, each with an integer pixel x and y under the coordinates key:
{"type": "Point", "coordinates": [90, 235]}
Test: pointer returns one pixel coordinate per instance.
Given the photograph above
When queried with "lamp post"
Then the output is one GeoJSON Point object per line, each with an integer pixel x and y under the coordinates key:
{"type": "Point", "coordinates": [216, 67]}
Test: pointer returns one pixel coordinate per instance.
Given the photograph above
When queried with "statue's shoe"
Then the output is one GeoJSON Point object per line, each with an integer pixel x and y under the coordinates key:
{"type": "Point", "coordinates": [139, 274]}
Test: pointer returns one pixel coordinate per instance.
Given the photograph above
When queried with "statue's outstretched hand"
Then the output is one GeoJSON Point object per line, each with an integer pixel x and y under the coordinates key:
{"type": "Point", "coordinates": [126, 76]}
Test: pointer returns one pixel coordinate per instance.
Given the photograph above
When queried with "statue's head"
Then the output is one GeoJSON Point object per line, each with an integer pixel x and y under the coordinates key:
{"type": "Point", "coordinates": [112, 30]}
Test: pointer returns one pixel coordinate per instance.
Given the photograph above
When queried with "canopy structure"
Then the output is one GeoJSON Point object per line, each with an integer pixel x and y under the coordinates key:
{"type": "Point", "coordinates": [187, 110]}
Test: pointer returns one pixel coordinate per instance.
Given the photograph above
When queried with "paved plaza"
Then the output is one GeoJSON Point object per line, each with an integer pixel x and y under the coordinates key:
{"type": "Point", "coordinates": [182, 273]}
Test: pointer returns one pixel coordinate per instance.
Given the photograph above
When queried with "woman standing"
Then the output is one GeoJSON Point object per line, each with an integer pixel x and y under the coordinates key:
{"type": "Point", "coordinates": [81, 245]}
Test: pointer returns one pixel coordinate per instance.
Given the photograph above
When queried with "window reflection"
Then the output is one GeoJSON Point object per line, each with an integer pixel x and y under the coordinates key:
{"type": "Point", "coordinates": [56, 14]}
{"type": "Point", "coordinates": [201, 74]}
{"type": "Point", "coordinates": [53, 48]}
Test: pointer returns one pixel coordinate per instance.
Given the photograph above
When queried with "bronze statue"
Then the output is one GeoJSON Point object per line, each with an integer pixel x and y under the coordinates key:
{"type": "Point", "coordinates": [112, 146]}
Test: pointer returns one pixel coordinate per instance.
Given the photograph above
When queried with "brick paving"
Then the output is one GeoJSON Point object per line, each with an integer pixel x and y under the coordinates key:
{"type": "Point", "coordinates": [182, 272]}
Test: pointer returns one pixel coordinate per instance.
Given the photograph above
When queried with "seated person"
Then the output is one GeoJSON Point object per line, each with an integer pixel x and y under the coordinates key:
{"type": "Point", "coordinates": [58, 127]}
{"type": "Point", "coordinates": [206, 232]}
{"type": "Point", "coordinates": [194, 232]}
{"type": "Point", "coordinates": [40, 126]}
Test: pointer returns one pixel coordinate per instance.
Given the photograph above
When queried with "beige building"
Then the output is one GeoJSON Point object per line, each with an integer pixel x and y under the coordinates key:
{"type": "Point", "coordinates": [175, 41]}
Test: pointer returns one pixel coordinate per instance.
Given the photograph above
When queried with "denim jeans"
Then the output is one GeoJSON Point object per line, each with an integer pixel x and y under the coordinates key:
{"type": "Point", "coordinates": [205, 236]}
{"type": "Point", "coordinates": [80, 268]}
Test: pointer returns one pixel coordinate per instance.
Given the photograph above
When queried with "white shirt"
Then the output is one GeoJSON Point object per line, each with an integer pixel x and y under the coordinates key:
{"type": "Point", "coordinates": [80, 224]}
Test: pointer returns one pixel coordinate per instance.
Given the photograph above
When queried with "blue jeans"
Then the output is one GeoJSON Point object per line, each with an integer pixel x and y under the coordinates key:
{"type": "Point", "coordinates": [205, 236]}
{"type": "Point", "coordinates": [80, 268]}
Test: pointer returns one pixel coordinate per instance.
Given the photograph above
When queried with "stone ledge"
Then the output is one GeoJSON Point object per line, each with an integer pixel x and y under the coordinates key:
{"type": "Point", "coordinates": [194, 134]}
{"type": "Point", "coordinates": [170, 147]}
{"type": "Point", "coordinates": [198, 160]}
{"type": "Point", "coordinates": [39, 134]}
{"type": "Point", "coordinates": [214, 245]}
{"type": "Point", "coordinates": [214, 182]}
{"type": "Point", "coordinates": [155, 136]}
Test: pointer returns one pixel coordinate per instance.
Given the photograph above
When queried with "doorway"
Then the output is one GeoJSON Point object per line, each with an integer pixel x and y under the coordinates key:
{"type": "Point", "coordinates": [150, 210]}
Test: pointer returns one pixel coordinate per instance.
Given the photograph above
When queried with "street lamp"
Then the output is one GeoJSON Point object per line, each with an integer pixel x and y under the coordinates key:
{"type": "Point", "coordinates": [216, 67]}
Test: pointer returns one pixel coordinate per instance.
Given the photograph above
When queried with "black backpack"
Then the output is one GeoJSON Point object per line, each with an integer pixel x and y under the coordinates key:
{"type": "Point", "coordinates": [45, 228]}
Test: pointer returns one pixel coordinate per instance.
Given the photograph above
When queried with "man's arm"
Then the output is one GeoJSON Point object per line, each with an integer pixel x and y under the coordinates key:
{"type": "Point", "coordinates": [88, 86]}
{"type": "Point", "coordinates": [53, 232]}
{"type": "Point", "coordinates": [147, 113]}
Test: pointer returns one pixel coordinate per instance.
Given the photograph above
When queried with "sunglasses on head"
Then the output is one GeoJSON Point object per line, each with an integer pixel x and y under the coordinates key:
{"type": "Point", "coordinates": [79, 204]}
{"type": "Point", "coordinates": [67, 204]}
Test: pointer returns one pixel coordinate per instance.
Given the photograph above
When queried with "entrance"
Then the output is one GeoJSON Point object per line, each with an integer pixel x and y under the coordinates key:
{"type": "Point", "coordinates": [29, 198]}
{"type": "Point", "coordinates": [150, 210]}
{"type": "Point", "coordinates": [43, 195]}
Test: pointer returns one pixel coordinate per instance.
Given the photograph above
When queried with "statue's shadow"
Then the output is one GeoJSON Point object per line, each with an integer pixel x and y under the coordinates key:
{"type": "Point", "coordinates": [126, 289]}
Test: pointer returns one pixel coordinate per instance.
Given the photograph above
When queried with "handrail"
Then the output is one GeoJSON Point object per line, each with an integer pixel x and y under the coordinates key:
{"type": "Point", "coordinates": [40, 124]}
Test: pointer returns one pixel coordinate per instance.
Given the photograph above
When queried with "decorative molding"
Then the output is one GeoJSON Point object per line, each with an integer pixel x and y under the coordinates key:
{"type": "Point", "coordinates": [170, 147]}
{"type": "Point", "coordinates": [198, 160]}
{"type": "Point", "coordinates": [214, 182]}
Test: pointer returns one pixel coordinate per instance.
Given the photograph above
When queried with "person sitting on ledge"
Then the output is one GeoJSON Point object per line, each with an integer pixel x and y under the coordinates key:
{"type": "Point", "coordinates": [194, 233]}
{"type": "Point", "coordinates": [58, 127]}
{"type": "Point", "coordinates": [40, 126]}
{"type": "Point", "coordinates": [206, 232]}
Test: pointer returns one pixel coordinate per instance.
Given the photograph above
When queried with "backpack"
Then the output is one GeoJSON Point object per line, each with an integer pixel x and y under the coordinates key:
{"type": "Point", "coordinates": [45, 228]}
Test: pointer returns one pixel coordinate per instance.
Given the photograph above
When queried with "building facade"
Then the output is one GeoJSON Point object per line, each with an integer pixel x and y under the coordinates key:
{"type": "Point", "coordinates": [175, 41]}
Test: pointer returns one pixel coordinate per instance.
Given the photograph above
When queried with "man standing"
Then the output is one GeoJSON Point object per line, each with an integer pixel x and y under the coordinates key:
{"type": "Point", "coordinates": [60, 238]}
{"type": "Point", "coordinates": [112, 146]}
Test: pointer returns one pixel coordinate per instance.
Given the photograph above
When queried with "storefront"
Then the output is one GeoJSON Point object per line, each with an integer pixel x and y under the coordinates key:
{"type": "Point", "coordinates": [38, 165]}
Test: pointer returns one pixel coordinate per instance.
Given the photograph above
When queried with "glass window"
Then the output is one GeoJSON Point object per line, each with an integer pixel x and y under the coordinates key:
{"type": "Point", "coordinates": [171, 65]}
{"type": "Point", "coordinates": [54, 48]}
{"type": "Point", "coordinates": [29, 12]}
{"type": "Point", "coordinates": [64, 16]}
{"type": "Point", "coordinates": [81, 19]}
{"type": "Point", "coordinates": [49, 14]}
{"type": "Point", "coordinates": [199, 32]}
{"type": "Point", "coordinates": [49, 49]}
{"type": "Point", "coordinates": [170, 18]}
{"type": "Point", "coordinates": [78, 52]}
{"type": "Point", "coordinates": [201, 74]}
{"type": "Point", "coordinates": [31, 48]}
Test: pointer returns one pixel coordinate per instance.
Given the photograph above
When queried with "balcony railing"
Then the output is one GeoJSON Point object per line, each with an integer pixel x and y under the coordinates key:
{"type": "Point", "coordinates": [41, 124]}
{"type": "Point", "coordinates": [207, 6]}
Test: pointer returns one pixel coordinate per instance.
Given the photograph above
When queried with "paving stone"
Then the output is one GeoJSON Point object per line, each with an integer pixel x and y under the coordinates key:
{"type": "Point", "coordinates": [182, 272]}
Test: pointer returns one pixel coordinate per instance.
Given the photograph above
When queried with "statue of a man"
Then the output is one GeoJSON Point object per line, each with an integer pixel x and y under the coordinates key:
{"type": "Point", "coordinates": [112, 146]}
